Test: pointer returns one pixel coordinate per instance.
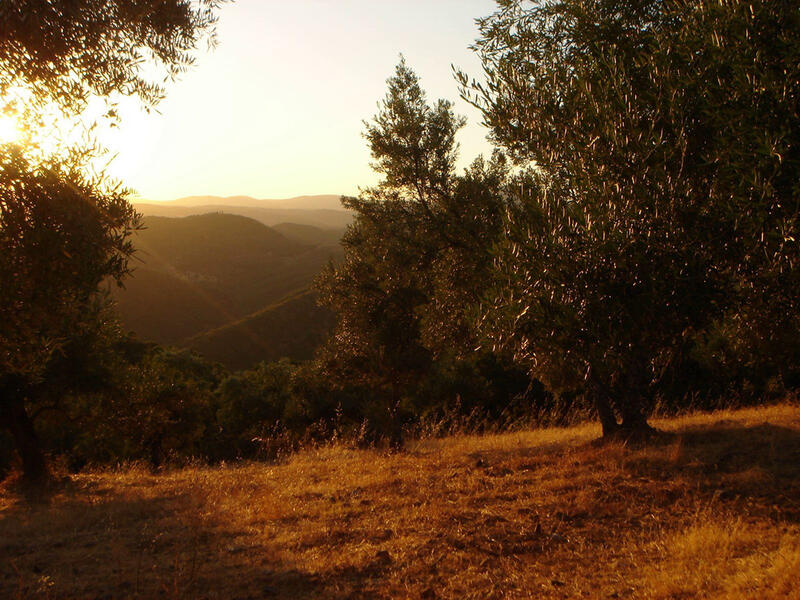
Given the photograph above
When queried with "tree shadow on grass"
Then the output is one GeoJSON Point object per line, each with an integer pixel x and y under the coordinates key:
{"type": "Point", "coordinates": [750, 469]}
{"type": "Point", "coordinates": [103, 542]}
{"type": "Point", "coordinates": [731, 462]}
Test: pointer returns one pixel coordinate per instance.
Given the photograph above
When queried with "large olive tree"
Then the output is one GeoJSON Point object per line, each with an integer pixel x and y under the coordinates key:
{"type": "Point", "coordinates": [666, 135]}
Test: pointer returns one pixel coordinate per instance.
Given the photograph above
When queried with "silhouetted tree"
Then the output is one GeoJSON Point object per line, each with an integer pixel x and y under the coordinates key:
{"type": "Point", "coordinates": [380, 286]}
{"type": "Point", "coordinates": [417, 255]}
{"type": "Point", "coordinates": [666, 138]}
{"type": "Point", "coordinates": [68, 51]}
{"type": "Point", "coordinates": [61, 232]}
{"type": "Point", "coordinates": [60, 238]}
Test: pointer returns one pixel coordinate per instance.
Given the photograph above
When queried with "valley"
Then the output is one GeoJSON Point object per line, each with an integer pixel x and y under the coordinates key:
{"type": "Point", "coordinates": [232, 282]}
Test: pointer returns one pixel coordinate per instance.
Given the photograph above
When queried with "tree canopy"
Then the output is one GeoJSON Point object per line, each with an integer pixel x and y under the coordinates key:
{"type": "Point", "coordinates": [666, 136]}
{"type": "Point", "coordinates": [67, 51]}
{"type": "Point", "coordinates": [415, 257]}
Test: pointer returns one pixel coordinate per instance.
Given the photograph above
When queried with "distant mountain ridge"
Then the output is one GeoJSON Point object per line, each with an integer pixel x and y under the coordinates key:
{"type": "Point", "coordinates": [323, 218]}
{"type": "Point", "coordinates": [311, 202]}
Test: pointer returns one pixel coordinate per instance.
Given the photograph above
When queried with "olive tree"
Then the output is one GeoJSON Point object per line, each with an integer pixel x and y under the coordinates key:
{"type": "Point", "coordinates": [67, 52]}
{"type": "Point", "coordinates": [665, 137]}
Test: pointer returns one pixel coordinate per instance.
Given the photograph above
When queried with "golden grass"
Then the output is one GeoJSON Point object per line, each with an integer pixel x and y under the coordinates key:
{"type": "Point", "coordinates": [712, 512]}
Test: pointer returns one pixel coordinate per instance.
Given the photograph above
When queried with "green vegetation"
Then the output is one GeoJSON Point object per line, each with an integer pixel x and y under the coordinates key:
{"type": "Point", "coordinates": [629, 253]}
{"type": "Point", "coordinates": [664, 208]}
{"type": "Point", "coordinates": [68, 53]}
{"type": "Point", "coordinates": [415, 261]}
{"type": "Point", "coordinates": [647, 236]}
{"type": "Point", "coordinates": [60, 237]}
{"type": "Point", "coordinates": [62, 232]}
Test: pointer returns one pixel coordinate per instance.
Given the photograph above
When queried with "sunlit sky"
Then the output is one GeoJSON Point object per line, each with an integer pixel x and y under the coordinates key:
{"type": "Point", "coordinates": [276, 109]}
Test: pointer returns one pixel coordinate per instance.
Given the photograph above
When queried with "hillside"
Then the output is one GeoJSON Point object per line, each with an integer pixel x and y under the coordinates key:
{"type": "Point", "coordinates": [200, 238]}
{"type": "Point", "coordinates": [292, 328]}
{"type": "Point", "coordinates": [710, 511]}
{"type": "Point", "coordinates": [201, 272]}
{"type": "Point", "coordinates": [322, 218]}
{"type": "Point", "coordinates": [308, 234]}
{"type": "Point", "coordinates": [162, 307]}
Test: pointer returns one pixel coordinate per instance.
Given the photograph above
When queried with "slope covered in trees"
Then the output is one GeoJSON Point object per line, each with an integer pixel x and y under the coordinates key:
{"type": "Point", "coordinates": [308, 234]}
{"type": "Point", "coordinates": [202, 272]}
{"type": "Point", "coordinates": [293, 327]}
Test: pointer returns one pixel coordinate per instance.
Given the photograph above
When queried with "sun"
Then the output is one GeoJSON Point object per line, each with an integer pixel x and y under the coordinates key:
{"type": "Point", "coordinates": [10, 130]}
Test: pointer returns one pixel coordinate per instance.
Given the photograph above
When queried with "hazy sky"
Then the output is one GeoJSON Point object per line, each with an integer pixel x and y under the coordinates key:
{"type": "Point", "coordinates": [276, 109]}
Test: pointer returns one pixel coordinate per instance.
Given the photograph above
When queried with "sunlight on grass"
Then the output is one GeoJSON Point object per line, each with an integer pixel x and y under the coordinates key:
{"type": "Point", "coordinates": [724, 558]}
{"type": "Point", "coordinates": [710, 512]}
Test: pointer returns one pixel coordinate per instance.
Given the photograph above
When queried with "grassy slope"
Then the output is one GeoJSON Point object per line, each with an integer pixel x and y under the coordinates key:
{"type": "Point", "coordinates": [713, 512]}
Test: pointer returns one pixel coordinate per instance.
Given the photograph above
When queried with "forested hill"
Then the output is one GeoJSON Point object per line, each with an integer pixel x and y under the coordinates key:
{"type": "Point", "coordinates": [199, 273]}
{"type": "Point", "coordinates": [208, 242]}
{"type": "Point", "coordinates": [292, 327]}
{"type": "Point", "coordinates": [309, 234]}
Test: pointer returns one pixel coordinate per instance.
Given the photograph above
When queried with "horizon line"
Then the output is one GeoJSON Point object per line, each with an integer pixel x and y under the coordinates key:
{"type": "Point", "coordinates": [142, 200]}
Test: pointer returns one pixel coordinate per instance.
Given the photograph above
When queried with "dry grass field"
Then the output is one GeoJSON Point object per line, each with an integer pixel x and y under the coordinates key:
{"type": "Point", "coordinates": [712, 511]}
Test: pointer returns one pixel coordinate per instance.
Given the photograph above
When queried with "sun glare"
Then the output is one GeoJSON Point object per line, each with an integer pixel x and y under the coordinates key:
{"type": "Point", "coordinates": [9, 129]}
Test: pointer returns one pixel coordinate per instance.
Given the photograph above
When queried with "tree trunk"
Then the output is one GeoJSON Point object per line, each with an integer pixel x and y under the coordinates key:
{"type": "Point", "coordinates": [20, 425]}
{"type": "Point", "coordinates": [605, 413]}
{"type": "Point", "coordinates": [633, 417]}
{"type": "Point", "coordinates": [396, 433]}
{"type": "Point", "coordinates": [395, 424]}
{"type": "Point", "coordinates": [602, 404]}
{"type": "Point", "coordinates": [634, 403]}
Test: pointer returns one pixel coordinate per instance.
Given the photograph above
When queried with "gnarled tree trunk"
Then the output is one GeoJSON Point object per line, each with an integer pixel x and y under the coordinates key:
{"type": "Point", "coordinates": [634, 402]}
{"type": "Point", "coordinates": [634, 418]}
{"type": "Point", "coordinates": [605, 412]}
{"type": "Point", "coordinates": [14, 417]}
{"type": "Point", "coordinates": [630, 404]}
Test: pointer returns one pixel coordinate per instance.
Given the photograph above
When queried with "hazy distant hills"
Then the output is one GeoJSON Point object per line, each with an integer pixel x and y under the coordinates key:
{"type": "Point", "coordinates": [325, 212]}
{"type": "Point", "coordinates": [321, 202]}
{"type": "Point", "coordinates": [198, 274]}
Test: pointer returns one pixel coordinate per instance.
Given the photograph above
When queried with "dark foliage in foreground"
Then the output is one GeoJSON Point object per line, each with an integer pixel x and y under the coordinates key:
{"type": "Point", "coordinates": [62, 232]}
